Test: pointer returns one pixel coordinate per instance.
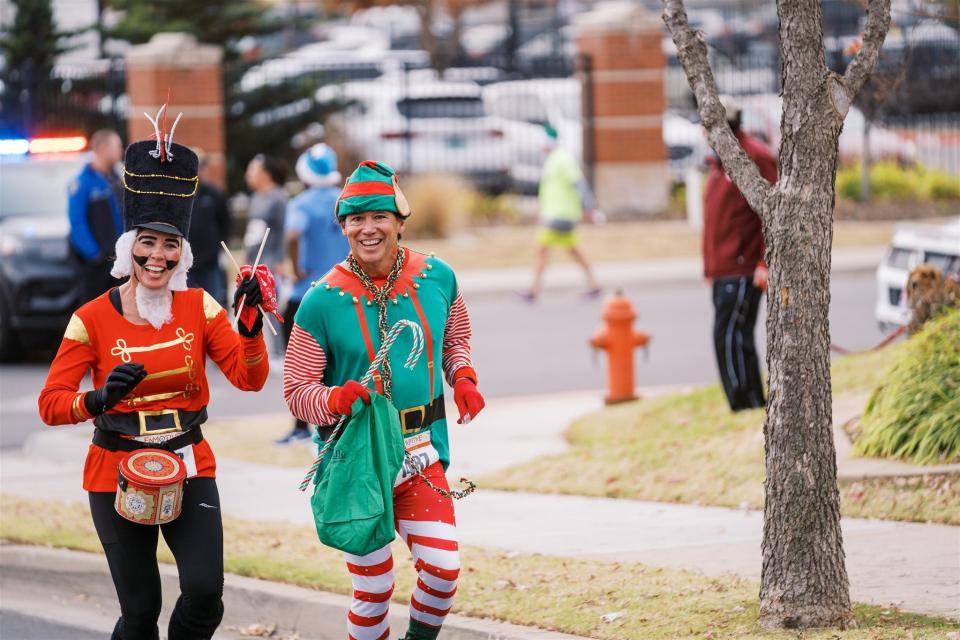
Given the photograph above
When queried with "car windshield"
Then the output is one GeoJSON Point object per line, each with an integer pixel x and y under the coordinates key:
{"type": "Point", "coordinates": [36, 188]}
{"type": "Point", "coordinates": [443, 107]}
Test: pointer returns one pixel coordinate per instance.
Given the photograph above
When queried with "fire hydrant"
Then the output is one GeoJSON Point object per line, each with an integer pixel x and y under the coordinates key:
{"type": "Point", "coordinates": [618, 339]}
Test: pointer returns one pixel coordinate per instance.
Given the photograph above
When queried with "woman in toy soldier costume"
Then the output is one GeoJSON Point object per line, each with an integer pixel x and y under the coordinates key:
{"type": "Point", "coordinates": [146, 343]}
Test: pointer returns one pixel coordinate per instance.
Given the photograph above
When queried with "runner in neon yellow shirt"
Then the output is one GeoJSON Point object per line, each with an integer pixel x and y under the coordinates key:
{"type": "Point", "coordinates": [564, 199]}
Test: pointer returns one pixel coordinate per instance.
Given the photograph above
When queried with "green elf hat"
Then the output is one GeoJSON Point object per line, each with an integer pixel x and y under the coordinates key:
{"type": "Point", "coordinates": [372, 187]}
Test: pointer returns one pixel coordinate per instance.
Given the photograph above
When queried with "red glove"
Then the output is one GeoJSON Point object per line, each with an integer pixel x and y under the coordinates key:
{"type": "Point", "coordinates": [468, 399]}
{"type": "Point", "coordinates": [341, 399]}
{"type": "Point", "coordinates": [260, 290]}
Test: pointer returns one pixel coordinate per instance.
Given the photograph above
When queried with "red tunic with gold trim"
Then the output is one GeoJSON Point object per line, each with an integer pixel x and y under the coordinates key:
{"type": "Point", "coordinates": [98, 338]}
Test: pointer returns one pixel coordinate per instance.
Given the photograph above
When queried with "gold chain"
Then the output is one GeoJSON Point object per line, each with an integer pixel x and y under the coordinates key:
{"type": "Point", "coordinates": [160, 175]}
{"type": "Point", "coordinates": [195, 180]}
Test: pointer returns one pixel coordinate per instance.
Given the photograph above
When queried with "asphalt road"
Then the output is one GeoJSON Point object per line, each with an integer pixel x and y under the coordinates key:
{"type": "Point", "coordinates": [522, 349]}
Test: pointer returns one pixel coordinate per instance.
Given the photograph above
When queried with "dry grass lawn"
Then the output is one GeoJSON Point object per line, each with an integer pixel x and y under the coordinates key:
{"type": "Point", "coordinates": [570, 596]}
{"type": "Point", "coordinates": [513, 246]}
{"type": "Point", "coordinates": [689, 448]}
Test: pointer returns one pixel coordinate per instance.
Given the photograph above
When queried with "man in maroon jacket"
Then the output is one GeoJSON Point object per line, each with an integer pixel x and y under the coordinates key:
{"type": "Point", "coordinates": [733, 260]}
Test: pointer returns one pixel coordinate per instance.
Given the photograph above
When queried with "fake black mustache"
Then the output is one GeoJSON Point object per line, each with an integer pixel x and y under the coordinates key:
{"type": "Point", "coordinates": [142, 261]}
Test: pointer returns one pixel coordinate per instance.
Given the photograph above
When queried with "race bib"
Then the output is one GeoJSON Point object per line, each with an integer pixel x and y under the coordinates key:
{"type": "Point", "coordinates": [420, 448]}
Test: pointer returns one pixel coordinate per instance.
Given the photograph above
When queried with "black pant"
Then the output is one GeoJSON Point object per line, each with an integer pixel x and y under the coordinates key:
{"type": "Point", "coordinates": [736, 302]}
{"type": "Point", "coordinates": [288, 315]}
{"type": "Point", "coordinates": [196, 540]}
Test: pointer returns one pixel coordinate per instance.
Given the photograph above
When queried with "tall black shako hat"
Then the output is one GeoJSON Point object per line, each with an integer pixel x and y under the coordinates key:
{"type": "Point", "coordinates": [160, 183]}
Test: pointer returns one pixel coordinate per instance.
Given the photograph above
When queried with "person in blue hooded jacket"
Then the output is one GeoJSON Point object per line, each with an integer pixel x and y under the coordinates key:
{"type": "Point", "coordinates": [93, 207]}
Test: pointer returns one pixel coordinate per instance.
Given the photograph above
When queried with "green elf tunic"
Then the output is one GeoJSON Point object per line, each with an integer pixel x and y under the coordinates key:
{"type": "Point", "coordinates": [335, 338]}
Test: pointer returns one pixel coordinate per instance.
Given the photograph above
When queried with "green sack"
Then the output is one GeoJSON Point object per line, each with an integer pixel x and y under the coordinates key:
{"type": "Point", "coordinates": [353, 503]}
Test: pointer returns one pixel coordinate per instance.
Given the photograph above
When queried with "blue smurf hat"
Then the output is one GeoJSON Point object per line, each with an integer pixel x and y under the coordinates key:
{"type": "Point", "coordinates": [317, 167]}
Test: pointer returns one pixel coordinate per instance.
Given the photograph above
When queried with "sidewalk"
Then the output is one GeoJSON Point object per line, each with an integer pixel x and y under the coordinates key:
{"type": "Point", "coordinates": [914, 566]}
{"type": "Point", "coordinates": [618, 274]}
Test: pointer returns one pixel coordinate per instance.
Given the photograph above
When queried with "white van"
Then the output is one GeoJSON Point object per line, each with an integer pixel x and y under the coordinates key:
{"type": "Point", "coordinates": [935, 244]}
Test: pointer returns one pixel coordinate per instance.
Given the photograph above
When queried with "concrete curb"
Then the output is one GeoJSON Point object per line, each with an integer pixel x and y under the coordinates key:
{"type": "Point", "coordinates": [80, 584]}
{"type": "Point", "coordinates": [619, 274]}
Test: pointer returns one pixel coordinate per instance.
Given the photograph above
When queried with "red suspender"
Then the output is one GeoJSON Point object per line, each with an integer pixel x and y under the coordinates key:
{"type": "Point", "coordinates": [426, 336]}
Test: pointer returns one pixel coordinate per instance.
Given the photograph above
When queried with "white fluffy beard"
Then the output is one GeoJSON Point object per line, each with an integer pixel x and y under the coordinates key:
{"type": "Point", "coordinates": [154, 305]}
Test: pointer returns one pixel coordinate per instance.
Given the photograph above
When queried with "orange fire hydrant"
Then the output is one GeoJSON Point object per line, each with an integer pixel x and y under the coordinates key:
{"type": "Point", "coordinates": [618, 339]}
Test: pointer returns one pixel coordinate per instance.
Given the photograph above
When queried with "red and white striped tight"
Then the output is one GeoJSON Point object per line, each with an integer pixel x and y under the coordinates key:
{"type": "Point", "coordinates": [425, 521]}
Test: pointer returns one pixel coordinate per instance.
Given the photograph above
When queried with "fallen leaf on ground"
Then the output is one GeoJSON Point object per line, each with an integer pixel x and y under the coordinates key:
{"type": "Point", "coordinates": [613, 616]}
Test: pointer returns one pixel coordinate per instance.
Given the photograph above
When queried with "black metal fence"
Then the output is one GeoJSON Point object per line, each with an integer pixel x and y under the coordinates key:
{"type": "Point", "coordinates": [72, 98]}
{"type": "Point", "coordinates": [478, 122]}
{"type": "Point", "coordinates": [909, 111]}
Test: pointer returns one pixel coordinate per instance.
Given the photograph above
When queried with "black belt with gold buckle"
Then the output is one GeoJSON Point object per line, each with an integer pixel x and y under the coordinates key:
{"type": "Point", "coordinates": [149, 423]}
{"type": "Point", "coordinates": [413, 418]}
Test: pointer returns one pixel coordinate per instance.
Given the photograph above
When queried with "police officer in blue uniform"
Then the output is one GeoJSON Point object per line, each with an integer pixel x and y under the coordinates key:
{"type": "Point", "coordinates": [95, 215]}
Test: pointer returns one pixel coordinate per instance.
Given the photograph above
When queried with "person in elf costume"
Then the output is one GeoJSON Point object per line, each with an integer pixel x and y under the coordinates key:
{"type": "Point", "coordinates": [146, 344]}
{"type": "Point", "coordinates": [336, 333]}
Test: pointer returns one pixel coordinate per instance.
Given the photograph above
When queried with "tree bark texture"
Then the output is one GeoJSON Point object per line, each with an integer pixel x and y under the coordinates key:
{"type": "Point", "coordinates": [804, 580]}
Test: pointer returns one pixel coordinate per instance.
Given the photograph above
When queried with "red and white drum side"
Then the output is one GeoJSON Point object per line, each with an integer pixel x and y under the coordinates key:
{"type": "Point", "coordinates": [150, 486]}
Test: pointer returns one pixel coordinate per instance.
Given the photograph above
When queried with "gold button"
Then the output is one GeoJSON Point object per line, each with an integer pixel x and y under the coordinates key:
{"type": "Point", "coordinates": [342, 293]}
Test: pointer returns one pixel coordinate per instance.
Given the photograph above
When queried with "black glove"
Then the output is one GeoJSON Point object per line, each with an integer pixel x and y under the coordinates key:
{"type": "Point", "coordinates": [120, 381]}
{"type": "Point", "coordinates": [250, 288]}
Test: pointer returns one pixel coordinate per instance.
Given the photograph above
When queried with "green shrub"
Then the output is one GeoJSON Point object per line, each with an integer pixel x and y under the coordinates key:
{"type": "Point", "coordinates": [486, 210]}
{"type": "Point", "coordinates": [848, 182]}
{"type": "Point", "coordinates": [914, 414]}
{"type": "Point", "coordinates": [891, 181]}
{"type": "Point", "coordinates": [937, 185]}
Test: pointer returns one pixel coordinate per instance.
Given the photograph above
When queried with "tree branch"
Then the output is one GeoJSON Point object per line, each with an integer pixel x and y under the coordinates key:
{"type": "Point", "coordinates": [692, 54]}
{"type": "Point", "coordinates": [860, 68]}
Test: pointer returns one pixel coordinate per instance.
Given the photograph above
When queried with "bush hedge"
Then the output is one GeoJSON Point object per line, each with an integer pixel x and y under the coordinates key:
{"type": "Point", "coordinates": [891, 181]}
{"type": "Point", "coordinates": [914, 414]}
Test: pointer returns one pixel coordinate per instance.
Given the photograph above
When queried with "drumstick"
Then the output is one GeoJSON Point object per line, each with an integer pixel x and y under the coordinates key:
{"type": "Point", "coordinates": [234, 261]}
{"type": "Point", "coordinates": [236, 317]}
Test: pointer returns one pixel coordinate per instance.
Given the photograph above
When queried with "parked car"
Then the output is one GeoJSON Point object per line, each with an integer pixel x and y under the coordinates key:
{"type": "Point", "coordinates": [529, 104]}
{"type": "Point", "coordinates": [526, 106]}
{"type": "Point", "coordinates": [427, 126]}
{"type": "Point", "coordinates": [762, 113]}
{"type": "Point", "coordinates": [935, 244]}
{"type": "Point", "coordinates": [38, 273]}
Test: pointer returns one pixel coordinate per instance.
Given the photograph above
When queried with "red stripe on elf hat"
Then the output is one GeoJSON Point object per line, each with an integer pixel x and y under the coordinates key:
{"type": "Point", "coordinates": [373, 188]}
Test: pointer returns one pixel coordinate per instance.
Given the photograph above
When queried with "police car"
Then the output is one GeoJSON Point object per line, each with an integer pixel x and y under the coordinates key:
{"type": "Point", "coordinates": [38, 273]}
{"type": "Point", "coordinates": [912, 244]}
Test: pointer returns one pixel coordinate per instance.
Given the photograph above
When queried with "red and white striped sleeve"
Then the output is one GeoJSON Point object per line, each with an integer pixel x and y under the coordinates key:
{"type": "Point", "coordinates": [303, 387]}
{"type": "Point", "coordinates": [456, 359]}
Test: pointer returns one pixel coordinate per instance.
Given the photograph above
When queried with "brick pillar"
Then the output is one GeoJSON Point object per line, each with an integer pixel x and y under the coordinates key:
{"type": "Point", "coordinates": [192, 72]}
{"type": "Point", "coordinates": [631, 174]}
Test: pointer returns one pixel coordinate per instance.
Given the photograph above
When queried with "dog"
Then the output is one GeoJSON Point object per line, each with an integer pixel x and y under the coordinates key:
{"type": "Point", "coordinates": [929, 294]}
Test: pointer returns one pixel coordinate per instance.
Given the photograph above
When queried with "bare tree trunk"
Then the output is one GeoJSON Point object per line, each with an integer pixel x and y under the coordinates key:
{"type": "Point", "coordinates": [428, 39]}
{"type": "Point", "coordinates": [804, 579]}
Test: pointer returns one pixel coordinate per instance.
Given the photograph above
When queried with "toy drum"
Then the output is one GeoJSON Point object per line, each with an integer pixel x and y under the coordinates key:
{"type": "Point", "coordinates": [150, 486]}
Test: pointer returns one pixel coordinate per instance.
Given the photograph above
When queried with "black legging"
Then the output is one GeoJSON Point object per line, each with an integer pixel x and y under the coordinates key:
{"type": "Point", "coordinates": [196, 540]}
